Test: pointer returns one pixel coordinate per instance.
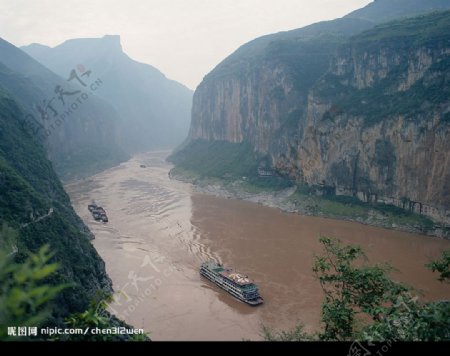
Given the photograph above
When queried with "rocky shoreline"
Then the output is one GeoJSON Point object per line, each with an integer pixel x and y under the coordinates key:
{"type": "Point", "coordinates": [281, 199]}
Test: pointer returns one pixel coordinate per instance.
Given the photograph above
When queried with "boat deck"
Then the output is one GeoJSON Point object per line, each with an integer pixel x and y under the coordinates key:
{"type": "Point", "coordinates": [232, 275]}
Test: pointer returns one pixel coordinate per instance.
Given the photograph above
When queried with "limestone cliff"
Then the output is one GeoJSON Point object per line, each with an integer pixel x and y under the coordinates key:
{"type": "Point", "coordinates": [263, 87]}
{"type": "Point", "coordinates": [377, 123]}
{"type": "Point", "coordinates": [367, 116]}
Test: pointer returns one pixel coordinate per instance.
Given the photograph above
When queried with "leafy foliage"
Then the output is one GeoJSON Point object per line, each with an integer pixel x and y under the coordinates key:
{"type": "Point", "coordinates": [25, 294]}
{"type": "Point", "coordinates": [27, 298]}
{"type": "Point", "coordinates": [442, 266]}
{"type": "Point", "coordinates": [8, 239]}
{"type": "Point", "coordinates": [362, 302]}
{"type": "Point", "coordinates": [410, 320]}
{"type": "Point", "coordinates": [297, 334]}
{"type": "Point", "coordinates": [351, 288]}
{"type": "Point", "coordinates": [96, 316]}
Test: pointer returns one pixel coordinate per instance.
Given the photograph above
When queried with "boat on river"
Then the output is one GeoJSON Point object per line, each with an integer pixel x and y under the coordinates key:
{"type": "Point", "coordinates": [238, 285]}
{"type": "Point", "coordinates": [98, 213]}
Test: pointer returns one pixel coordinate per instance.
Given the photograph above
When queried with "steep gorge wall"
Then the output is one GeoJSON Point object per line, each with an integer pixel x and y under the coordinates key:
{"type": "Point", "coordinates": [237, 108]}
{"type": "Point", "coordinates": [253, 97]}
{"type": "Point", "coordinates": [375, 125]}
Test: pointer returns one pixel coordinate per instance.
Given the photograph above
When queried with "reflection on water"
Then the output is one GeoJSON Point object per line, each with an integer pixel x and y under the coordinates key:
{"type": "Point", "coordinates": [159, 232]}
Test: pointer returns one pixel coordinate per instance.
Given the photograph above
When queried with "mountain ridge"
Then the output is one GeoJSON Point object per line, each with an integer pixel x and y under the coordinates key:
{"type": "Point", "coordinates": [75, 139]}
{"type": "Point", "coordinates": [154, 110]}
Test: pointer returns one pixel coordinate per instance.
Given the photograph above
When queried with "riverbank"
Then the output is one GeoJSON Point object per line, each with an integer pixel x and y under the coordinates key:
{"type": "Point", "coordinates": [304, 201]}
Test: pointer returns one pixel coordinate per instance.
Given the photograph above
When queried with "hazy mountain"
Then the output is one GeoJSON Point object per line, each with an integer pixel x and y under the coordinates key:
{"type": "Point", "coordinates": [155, 111]}
{"type": "Point", "coordinates": [78, 129]}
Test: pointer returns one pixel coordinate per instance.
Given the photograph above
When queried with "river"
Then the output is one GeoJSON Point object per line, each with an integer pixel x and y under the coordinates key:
{"type": "Point", "coordinates": [160, 230]}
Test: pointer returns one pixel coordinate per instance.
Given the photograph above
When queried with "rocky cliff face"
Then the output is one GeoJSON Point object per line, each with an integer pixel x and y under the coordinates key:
{"type": "Point", "coordinates": [235, 109]}
{"type": "Point", "coordinates": [374, 123]}
{"type": "Point", "coordinates": [253, 97]}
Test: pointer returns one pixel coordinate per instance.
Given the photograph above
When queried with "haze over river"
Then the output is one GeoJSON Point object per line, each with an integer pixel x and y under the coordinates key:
{"type": "Point", "coordinates": [160, 230]}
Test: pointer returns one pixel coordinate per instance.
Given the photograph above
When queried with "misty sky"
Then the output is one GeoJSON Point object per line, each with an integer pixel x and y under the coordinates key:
{"type": "Point", "coordinates": [185, 39]}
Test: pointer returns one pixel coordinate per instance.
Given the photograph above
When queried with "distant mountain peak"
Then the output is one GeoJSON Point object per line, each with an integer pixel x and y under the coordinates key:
{"type": "Point", "coordinates": [113, 40]}
{"type": "Point", "coordinates": [37, 45]}
{"type": "Point", "coordinates": [154, 111]}
{"type": "Point", "coordinates": [105, 44]}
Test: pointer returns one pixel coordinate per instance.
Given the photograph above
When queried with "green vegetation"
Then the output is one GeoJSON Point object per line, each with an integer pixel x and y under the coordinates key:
{"type": "Point", "coordinates": [29, 189]}
{"type": "Point", "coordinates": [297, 334]}
{"type": "Point", "coordinates": [351, 289]}
{"type": "Point", "coordinates": [383, 100]}
{"type": "Point", "coordinates": [27, 299]}
{"type": "Point", "coordinates": [305, 58]}
{"type": "Point", "coordinates": [86, 161]}
{"type": "Point", "coordinates": [98, 317]}
{"type": "Point", "coordinates": [363, 303]}
{"type": "Point", "coordinates": [217, 159]}
{"type": "Point", "coordinates": [338, 208]}
{"type": "Point", "coordinates": [347, 207]}
{"type": "Point", "coordinates": [223, 163]}
{"type": "Point", "coordinates": [257, 185]}
{"type": "Point", "coordinates": [24, 290]}
{"type": "Point", "coordinates": [416, 30]}
{"type": "Point", "coordinates": [442, 267]}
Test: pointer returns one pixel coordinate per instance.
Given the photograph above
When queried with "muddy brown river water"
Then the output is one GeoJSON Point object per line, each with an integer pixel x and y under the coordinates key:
{"type": "Point", "coordinates": [160, 230]}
